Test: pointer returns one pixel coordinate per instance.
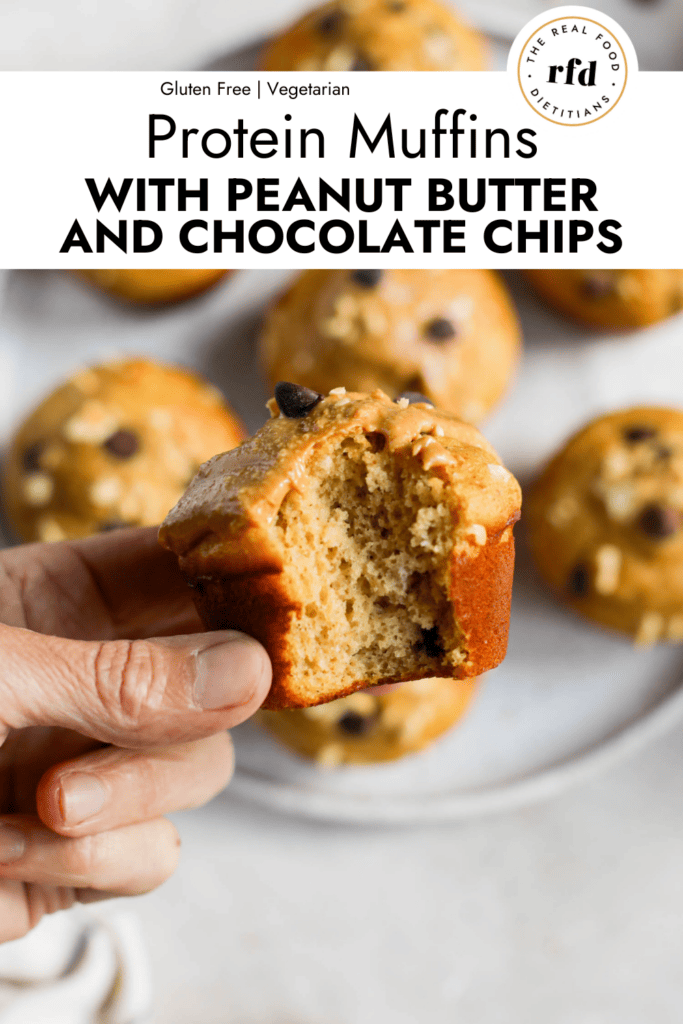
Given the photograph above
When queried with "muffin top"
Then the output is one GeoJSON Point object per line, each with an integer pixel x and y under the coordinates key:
{"type": "Point", "coordinates": [451, 335]}
{"type": "Point", "coordinates": [377, 35]}
{"type": "Point", "coordinates": [605, 522]}
{"type": "Point", "coordinates": [231, 506]}
{"type": "Point", "coordinates": [115, 445]}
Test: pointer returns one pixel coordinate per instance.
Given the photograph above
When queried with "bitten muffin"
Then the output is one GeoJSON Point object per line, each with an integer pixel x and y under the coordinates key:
{"type": "Point", "coordinates": [451, 335]}
{"type": "Point", "coordinates": [115, 445]}
{"type": "Point", "coordinates": [153, 286]}
{"type": "Point", "coordinates": [365, 728]}
{"type": "Point", "coordinates": [605, 522]}
{"type": "Point", "coordinates": [618, 299]}
{"type": "Point", "coordinates": [377, 35]}
{"type": "Point", "coordinates": [362, 541]}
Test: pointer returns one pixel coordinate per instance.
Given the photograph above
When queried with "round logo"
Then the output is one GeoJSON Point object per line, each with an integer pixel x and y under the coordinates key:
{"type": "Point", "coordinates": [572, 70]}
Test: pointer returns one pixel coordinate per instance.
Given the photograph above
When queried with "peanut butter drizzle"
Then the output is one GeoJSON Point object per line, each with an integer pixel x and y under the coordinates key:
{"type": "Point", "coordinates": [247, 486]}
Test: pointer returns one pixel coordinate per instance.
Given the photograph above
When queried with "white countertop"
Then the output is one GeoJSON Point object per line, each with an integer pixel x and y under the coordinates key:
{"type": "Point", "coordinates": [568, 913]}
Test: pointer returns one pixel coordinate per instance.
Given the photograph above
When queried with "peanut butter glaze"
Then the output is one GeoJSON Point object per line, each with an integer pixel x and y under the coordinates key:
{"type": "Point", "coordinates": [231, 505]}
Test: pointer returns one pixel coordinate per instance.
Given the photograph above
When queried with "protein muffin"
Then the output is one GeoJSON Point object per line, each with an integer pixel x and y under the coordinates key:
{"type": "Point", "coordinates": [115, 445]}
{"type": "Point", "coordinates": [377, 35]}
{"type": "Point", "coordinates": [451, 335]}
{"type": "Point", "coordinates": [362, 541]}
{"type": "Point", "coordinates": [367, 728]}
{"type": "Point", "coordinates": [153, 286]}
{"type": "Point", "coordinates": [605, 522]}
{"type": "Point", "coordinates": [617, 299]}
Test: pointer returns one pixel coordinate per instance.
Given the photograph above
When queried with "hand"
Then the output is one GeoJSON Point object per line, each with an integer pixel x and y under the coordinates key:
{"type": "Point", "coordinates": [106, 731]}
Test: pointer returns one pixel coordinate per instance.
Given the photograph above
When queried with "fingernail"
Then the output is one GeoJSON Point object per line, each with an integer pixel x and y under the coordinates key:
{"type": "Point", "coordinates": [81, 796]}
{"type": "Point", "coordinates": [12, 844]}
{"type": "Point", "coordinates": [228, 673]}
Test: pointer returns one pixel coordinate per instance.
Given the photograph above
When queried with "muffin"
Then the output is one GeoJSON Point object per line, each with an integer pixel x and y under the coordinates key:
{"type": "Point", "coordinates": [115, 445]}
{"type": "Point", "coordinates": [153, 286]}
{"type": "Point", "coordinates": [366, 728]}
{"type": "Point", "coordinates": [605, 523]}
{"type": "Point", "coordinates": [616, 299]}
{"type": "Point", "coordinates": [377, 35]}
{"type": "Point", "coordinates": [362, 541]}
{"type": "Point", "coordinates": [451, 335]}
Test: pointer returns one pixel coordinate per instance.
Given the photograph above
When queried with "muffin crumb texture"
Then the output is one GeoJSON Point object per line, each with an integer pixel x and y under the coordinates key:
{"type": "Point", "coordinates": [375, 551]}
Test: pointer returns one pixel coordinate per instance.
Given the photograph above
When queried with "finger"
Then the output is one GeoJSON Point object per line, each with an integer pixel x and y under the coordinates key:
{"type": "Point", "coordinates": [25, 757]}
{"type": "Point", "coordinates": [125, 862]}
{"type": "Point", "coordinates": [132, 693]}
{"type": "Point", "coordinates": [23, 906]}
{"type": "Point", "coordinates": [93, 895]}
{"type": "Point", "coordinates": [140, 584]}
{"type": "Point", "coordinates": [119, 584]}
{"type": "Point", "coordinates": [111, 788]}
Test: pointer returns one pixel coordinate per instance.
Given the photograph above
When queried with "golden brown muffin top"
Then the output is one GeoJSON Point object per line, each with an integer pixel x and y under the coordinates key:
{"type": "Point", "coordinates": [377, 35]}
{"type": "Point", "coordinates": [605, 521]}
{"type": "Point", "coordinates": [228, 512]}
{"type": "Point", "coordinates": [450, 334]}
{"type": "Point", "coordinates": [113, 445]}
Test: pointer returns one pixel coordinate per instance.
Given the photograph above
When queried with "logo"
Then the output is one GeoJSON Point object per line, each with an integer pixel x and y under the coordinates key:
{"type": "Point", "coordinates": [573, 69]}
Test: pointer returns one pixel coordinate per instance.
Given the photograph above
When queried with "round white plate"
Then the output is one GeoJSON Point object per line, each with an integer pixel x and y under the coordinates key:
{"type": "Point", "coordinates": [566, 704]}
{"type": "Point", "coordinates": [569, 699]}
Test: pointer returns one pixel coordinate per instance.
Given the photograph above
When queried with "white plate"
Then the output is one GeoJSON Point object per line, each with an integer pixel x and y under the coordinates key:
{"type": "Point", "coordinates": [568, 700]}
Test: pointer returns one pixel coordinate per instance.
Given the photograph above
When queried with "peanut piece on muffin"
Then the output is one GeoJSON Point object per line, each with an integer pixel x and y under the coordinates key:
{"type": "Point", "coordinates": [362, 540]}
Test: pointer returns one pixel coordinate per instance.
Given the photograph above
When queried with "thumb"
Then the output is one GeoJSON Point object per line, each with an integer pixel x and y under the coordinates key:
{"type": "Point", "coordinates": [131, 693]}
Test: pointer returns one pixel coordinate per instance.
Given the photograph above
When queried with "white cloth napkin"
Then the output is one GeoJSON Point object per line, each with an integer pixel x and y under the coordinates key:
{"type": "Point", "coordinates": [84, 966]}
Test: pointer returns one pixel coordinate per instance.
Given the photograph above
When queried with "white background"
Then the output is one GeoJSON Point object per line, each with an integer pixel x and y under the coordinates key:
{"type": "Point", "coordinates": [569, 913]}
{"type": "Point", "coordinates": [65, 127]}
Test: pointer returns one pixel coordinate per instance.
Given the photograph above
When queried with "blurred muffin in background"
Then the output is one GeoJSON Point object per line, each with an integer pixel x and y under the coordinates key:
{"type": "Point", "coordinates": [366, 728]}
{"type": "Point", "coordinates": [377, 35]}
{"type": "Point", "coordinates": [616, 299]}
{"type": "Point", "coordinates": [114, 446]}
{"type": "Point", "coordinates": [605, 523]}
{"type": "Point", "coordinates": [153, 286]}
{"type": "Point", "coordinates": [450, 335]}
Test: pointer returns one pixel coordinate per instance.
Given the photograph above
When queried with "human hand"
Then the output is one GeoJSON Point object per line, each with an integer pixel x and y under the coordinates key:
{"type": "Point", "coordinates": [104, 730]}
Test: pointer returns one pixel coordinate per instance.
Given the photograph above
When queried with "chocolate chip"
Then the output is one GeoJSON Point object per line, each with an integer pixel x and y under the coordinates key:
{"type": "Point", "coordinates": [431, 643]}
{"type": "Point", "coordinates": [114, 524]}
{"type": "Point", "coordinates": [440, 330]}
{"type": "Point", "coordinates": [634, 435]}
{"type": "Point", "coordinates": [123, 444]}
{"type": "Point", "coordinates": [356, 725]}
{"type": "Point", "coordinates": [415, 396]}
{"type": "Point", "coordinates": [294, 400]}
{"type": "Point", "coordinates": [662, 453]}
{"type": "Point", "coordinates": [579, 580]}
{"type": "Point", "coordinates": [30, 460]}
{"type": "Point", "coordinates": [377, 441]}
{"type": "Point", "coordinates": [330, 23]}
{"type": "Point", "coordinates": [659, 522]}
{"type": "Point", "coordinates": [366, 278]}
{"type": "Point", "coordinates": [396, 6]}
{"type": "Point", "coordinates": [198, 583]}
{"type": "Point", "coordinates": [362, 63]}
{"type": "Point", "coordinates": [597, 286]}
